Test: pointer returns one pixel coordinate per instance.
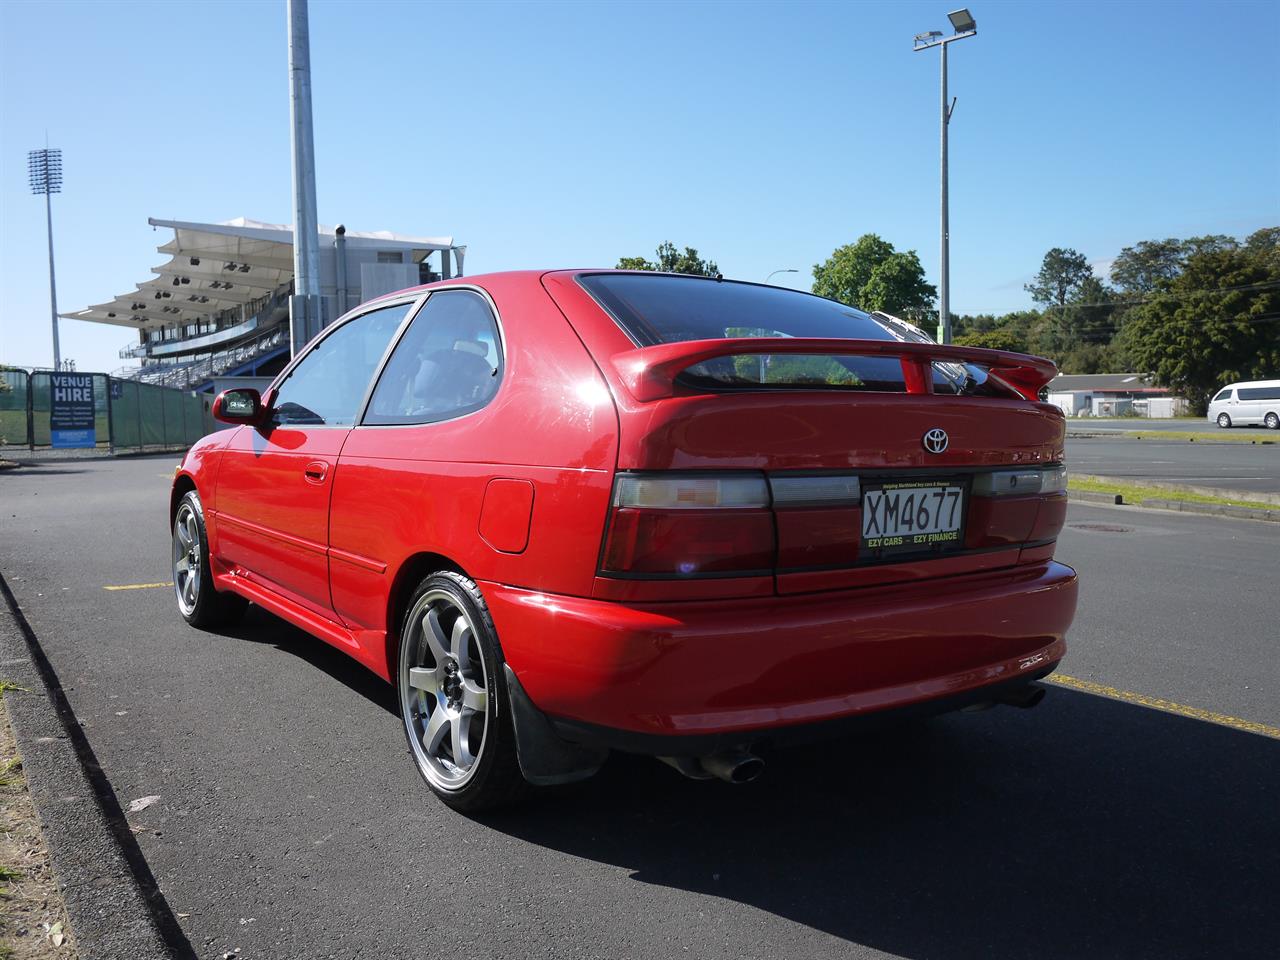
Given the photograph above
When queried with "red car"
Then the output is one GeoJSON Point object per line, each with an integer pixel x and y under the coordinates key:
{"type": "Point", "coordinates": [575, 511]}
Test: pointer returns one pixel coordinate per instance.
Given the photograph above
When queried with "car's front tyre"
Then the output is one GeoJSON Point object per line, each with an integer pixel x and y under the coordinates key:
{"type": "Point", "coordinates": [1224, 421]}
{"type": "Point", "coordinates": [199, 603]}
{"type": "Point", "coordinates": [453, 697]}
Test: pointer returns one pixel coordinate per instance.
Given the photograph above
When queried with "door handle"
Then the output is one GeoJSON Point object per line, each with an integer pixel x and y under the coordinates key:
{"type": "Point", "coordinates": [315, 471]}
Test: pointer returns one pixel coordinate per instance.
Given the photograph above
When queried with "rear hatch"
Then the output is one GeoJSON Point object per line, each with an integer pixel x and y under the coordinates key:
{"type": "Point", "coordinates": [772, 441]}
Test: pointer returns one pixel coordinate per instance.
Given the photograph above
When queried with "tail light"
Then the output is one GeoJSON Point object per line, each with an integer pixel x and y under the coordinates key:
{"type": "Point", "coordinates": [689, 525]}
{"type": "Point", "coordinates": [1026, 505]}
{"type": "Point", "coordinates": [1022, 483]}
{"type": "Point", "coordinates": [686, 525]}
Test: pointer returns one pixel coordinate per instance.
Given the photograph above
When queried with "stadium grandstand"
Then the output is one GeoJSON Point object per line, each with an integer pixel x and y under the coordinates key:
{"type": "Point", "coordinates": [219, 307]}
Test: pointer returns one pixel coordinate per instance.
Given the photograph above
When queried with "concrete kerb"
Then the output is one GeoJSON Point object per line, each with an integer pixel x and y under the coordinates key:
{"type": "Point", "coordinates": [114, 905]}
{"type": "Point", "coordinates": [1215, 509]}
{"type": "Point", "coordinates": [1185, 506]}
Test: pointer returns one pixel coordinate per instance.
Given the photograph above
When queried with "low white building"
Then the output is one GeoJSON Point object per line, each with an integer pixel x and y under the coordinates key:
{"type": "Point", "coordinates": [1113, 395]}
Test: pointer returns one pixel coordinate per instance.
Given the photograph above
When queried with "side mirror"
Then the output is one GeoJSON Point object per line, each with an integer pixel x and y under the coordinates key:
{"type": "Point", "coordinates": [239, 406]}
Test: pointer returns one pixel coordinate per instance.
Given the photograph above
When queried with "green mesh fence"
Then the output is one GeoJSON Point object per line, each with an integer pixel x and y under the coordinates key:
{"type": "Point", "coordinates": [128, 415]}
{"type": "Point", "coordinates": [151, 398]}
{"type": "Point", "coordinates": [175, 430]}
{"type": "Point", "coordinates": [14, 388]}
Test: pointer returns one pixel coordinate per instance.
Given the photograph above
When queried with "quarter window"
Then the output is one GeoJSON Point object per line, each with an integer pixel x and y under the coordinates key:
{"type": "Point", "coordinates": [448, 363]}
{"type": "Point", "coordinates": [330, 383]}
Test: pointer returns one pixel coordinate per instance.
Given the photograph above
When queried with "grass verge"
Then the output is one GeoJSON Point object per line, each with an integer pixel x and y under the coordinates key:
{"type": "Point", "coordinates": [33, 918]}
{"type": "Point", "coordinates": [1136, 493]}
{"type": "Point", "coordinates": [1194, 437]}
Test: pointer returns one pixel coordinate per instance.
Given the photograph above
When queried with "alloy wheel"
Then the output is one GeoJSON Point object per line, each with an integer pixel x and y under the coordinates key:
{"type": "Point", "coordinates": [444, 690]}
{"type": "Point", "coordinates": [186, 559]}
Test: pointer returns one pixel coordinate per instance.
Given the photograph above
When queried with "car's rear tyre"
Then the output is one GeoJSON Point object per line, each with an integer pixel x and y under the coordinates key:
{"type": "Point", "coordinates": [1272, 421]}
{"type": "Point", "coordinates": [453, 696]}
{"type": "Point", "coordinates": [1224, 421]}
{"type": "Point", "coordinates": [199, 603]}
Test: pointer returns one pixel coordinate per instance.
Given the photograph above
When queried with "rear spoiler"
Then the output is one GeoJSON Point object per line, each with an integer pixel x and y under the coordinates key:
{"type": "Point", "coordinates": [649, 373]}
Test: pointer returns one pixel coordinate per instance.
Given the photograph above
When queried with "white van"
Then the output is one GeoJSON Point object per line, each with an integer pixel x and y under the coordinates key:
{"type": "Point", "coordinates": [1256, 401]}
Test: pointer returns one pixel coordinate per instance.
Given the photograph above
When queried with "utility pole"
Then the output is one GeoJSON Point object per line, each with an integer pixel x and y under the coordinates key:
{"type": "Point", "coordinates": [305, 318]}
{"type": "Point", "coordinates": [44, 170]}
{"type": "Point", "coordinates": [965, 26]}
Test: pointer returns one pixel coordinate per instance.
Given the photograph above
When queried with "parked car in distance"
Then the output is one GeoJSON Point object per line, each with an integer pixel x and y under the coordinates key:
{"type": "Point", "coordinates": [572, 512]}
{"type": "Point", "coordinates": [1248, 403]}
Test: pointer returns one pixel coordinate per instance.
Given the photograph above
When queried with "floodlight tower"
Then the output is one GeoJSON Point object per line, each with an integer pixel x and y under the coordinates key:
{"type": "Point", "coordinates": [44, 170]}
{"type": "Point", "coordinates": [965, 26]}
{"type": "Point", "coordinates": [305, 319]}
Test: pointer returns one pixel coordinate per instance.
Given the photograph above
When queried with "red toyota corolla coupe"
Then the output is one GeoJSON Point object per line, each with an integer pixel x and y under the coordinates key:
{"type": "Point", "coordinates": [573, 511]}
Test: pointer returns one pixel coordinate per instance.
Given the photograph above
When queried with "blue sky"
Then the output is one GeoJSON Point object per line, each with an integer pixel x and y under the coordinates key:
{"type": "Point", "coordinates": [570, 134]}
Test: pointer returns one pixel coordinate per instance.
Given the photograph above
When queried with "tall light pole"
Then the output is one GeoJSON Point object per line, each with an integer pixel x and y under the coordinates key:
{"type": "Point", "coordinates": [304, 306]}
{"type": "Point", "coordinates": [776, 272]}
{"type": "Point", "coordinates": [44, 170]}
{"type": "Point", "coordinates": [965, 26]}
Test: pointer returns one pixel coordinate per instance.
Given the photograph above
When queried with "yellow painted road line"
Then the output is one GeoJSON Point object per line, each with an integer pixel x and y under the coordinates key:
{"type": "Point", "coordinates": [140, 586]}
{"type": "Point", "coordinates": [1168, 706]}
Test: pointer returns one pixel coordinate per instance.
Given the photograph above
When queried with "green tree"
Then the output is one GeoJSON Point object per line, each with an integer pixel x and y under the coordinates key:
{"type": "Point", "coordinates": [1145, 266]}
{"type": "Point", "coordinates": [1061, 273]}
{"type": "Point", "coordinates": [1217, 321]}
{"type": "Point", "coordinates": [1078, 306]}
{"type": "Point", "coordinates": [1265, 241]}
{"type": "Point", "coordinates": [671, 260]}
{"type": "Point", "coordinates": [871, 275]}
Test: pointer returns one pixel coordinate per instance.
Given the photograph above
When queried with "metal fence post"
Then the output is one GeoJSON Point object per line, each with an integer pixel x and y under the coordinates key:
{"type": "Point", "coordinates": [111, 423]}
{"type": "Point", "coordinates": [31, 415]}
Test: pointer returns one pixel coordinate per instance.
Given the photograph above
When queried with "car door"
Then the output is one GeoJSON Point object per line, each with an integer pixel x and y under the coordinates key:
{"type": "Point", "coordinates": [274, 482]}
{"type": "Point", "coordinates": [1248, 405]}
{"type": "Point", "coordinates": [414, 471]}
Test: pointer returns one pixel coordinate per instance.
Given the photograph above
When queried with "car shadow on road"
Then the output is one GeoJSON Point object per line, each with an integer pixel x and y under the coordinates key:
{"type": "Point", "coordinates": [258, 626]}
{"type": "Point", "coordinates": [1086, 828]}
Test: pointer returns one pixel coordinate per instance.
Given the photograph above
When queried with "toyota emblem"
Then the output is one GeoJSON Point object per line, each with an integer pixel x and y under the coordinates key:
{"type": "Point", "coordinates": [935, 440]}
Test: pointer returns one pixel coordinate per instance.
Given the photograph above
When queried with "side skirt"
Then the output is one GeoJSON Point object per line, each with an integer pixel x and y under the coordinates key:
{"type": "Point", "coordinates": [327, 630]}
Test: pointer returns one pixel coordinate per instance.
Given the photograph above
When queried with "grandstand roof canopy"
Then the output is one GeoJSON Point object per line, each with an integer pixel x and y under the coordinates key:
{"type": "Point", "coordinates": [216, 266]}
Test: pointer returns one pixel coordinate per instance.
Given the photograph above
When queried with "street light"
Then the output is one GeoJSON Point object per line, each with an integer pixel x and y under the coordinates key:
{"type": "Point", "coordinates": [44, 170]}
{"type": "Point", "coordinates": [965, 26]}
{"type": "Point", "coordinates": [776, 272]}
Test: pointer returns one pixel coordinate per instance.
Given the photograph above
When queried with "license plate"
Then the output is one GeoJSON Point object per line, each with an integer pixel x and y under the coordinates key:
{"type": "Point", "coordinates": [911, 517]}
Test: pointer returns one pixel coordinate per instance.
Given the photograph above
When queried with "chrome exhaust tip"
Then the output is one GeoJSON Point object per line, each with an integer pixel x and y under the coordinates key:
{"type": "Point", "coordinates": [736, 766]}
{"type": "Point", "coordinates": [733, 766]}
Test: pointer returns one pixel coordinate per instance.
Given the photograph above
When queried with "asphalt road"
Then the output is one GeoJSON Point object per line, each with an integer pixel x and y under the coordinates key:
{"type": "Point", "coordinates": [290, 822]}
{"type": "Point", "coordinates": [1243, 467]}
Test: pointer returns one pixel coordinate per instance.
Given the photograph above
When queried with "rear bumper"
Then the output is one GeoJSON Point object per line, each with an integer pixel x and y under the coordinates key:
{"type": "Point", "coordinates": [637, 675]}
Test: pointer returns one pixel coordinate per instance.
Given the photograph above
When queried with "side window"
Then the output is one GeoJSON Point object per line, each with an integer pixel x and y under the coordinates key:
{"type": "Point", "coordinates": [448, 363]}
{"type": "Point", "coordinates": [1224, 395]}
{"type": "Point", "coordinates": [1260, 393]}
{"type": "Point", "coordinates": [329, 384]}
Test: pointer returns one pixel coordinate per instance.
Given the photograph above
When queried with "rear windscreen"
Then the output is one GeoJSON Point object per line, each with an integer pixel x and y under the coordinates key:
{"type": "Point", "coordinates": [664, 308]}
